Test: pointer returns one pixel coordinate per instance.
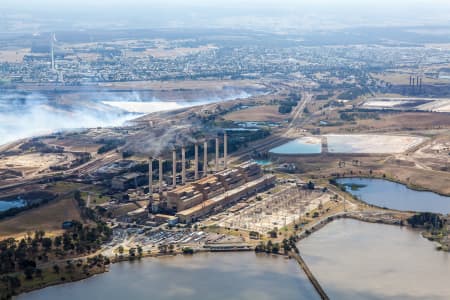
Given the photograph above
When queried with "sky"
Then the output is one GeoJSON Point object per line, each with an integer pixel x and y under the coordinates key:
{"type": "Point", "coordinates": [229, 13]}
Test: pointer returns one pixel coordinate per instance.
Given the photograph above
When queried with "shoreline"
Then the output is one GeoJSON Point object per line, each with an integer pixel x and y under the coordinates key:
{"type": "Point", "coordinates": [307, 231]}
{"type": "Point", "coordinates": [391, 179]}
{"type": "Point", "coordinates": [303, 235]}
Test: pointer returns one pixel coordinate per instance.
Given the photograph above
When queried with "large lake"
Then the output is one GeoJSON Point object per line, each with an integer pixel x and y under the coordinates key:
{"type": "Point", "coordinates": [357, 260]}
{"type": "Point", "coordinates": [212, 276]}
{"type": "Point", "coordinates": [397, 196]}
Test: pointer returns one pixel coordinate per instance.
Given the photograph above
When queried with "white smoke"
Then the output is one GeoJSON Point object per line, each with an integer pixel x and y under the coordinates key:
{"type": "Point", "coordinates": [135, 103]}
{"type": "Point", "coordinates": [23, 116]}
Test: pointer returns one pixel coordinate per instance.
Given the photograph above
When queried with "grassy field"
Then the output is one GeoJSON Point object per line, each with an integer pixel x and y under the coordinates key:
{"type": "Point", "coordinates": [96, 198]}
{"type": "Point", "coordinates": [48, 217]}
{"type": "Point", "coordinates": [61, 187]}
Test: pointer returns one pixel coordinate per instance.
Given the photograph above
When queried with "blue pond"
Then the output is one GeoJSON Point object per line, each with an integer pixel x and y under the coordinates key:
{"type": "Point", "coordinates": [300, 146]}
{"type": "Point", "coordinates": [263, 162]}
{"type": "Point", "coordinates": [394, 195]}
{"type": "Point", "coordinates": [8, 204]}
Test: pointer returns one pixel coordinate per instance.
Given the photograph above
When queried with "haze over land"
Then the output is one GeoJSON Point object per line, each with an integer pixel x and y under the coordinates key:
{"type": "Point", "coordinates": [275, 16]}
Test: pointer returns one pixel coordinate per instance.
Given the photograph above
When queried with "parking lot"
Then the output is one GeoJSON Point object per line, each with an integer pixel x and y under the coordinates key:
{"type": "Point", "coordinates": [152, 241]}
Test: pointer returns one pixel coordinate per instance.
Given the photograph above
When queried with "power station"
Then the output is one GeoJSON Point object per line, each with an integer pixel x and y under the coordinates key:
{"type": "Point", "coordinates": [193, 197]}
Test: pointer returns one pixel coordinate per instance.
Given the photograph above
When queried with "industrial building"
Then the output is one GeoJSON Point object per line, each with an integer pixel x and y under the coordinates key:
{"type": "Point", "coordinates": [183, 198]}
{"type": "Point", "coordinates": [197, 197]}
{"type": "Point", "coordinates": [201, 197]}
{"type": "Point", "coordinates": [127, 181]}
{"type": "Point", "coordinates": [209, 206]}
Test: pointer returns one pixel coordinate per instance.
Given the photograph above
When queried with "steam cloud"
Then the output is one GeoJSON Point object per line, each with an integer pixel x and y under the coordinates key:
{"type": "Point", "coordinates": [134, 102]}
{"type": "Point", "coordinates": [24, 116]}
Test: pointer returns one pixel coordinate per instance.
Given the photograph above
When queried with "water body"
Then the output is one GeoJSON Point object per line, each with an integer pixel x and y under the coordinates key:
{"type": "Point", "coordinates": [300, 146]}
{"type": "Point", "coordinates": [263, 162]}
{"type": "Point", "coordinates": [213, 276]}
{"type": "Point", "coordinates": [357, 260]}
{"type": "Point", "coordinates": [397, 196]}
{"type": "Point", "coordinates": [8, 204]}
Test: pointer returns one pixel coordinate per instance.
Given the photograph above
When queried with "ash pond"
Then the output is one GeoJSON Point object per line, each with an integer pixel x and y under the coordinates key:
{"type": "Point", "coordinates": [384, 193]}
{"type": "Point", "coordinates": [212, 276]}
{"type": "Point", "coordinates": [357, 260]}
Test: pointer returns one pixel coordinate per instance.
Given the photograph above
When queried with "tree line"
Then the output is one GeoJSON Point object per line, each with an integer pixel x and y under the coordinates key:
{"type": "Point", "coordinates": [25, 255]}
{"type": "Point", "coordinates": [275, 248]}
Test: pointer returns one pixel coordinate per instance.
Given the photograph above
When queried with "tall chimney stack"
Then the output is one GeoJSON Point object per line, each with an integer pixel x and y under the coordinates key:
{"type": "Point", "coordinates": [205, 158]}
{"type": "Point", "coordinates": [225, 150]}
{"type": "Point", "coordinates": [196, 160]}
{"type": "Point", "coordinates": [410, 80]}
{"type": "Point", "coordinates": [150, 176]}
{"type": "Point", "coordinates": [183, 167]}
{"type": "Point", "coordinates": [217, 155]}
{"type": "Point", "coordinates": [174, 167]}
{"type": "Point", "coordinates": [160, 175]}
{"type": "Point", "coordinates": [417, 82]}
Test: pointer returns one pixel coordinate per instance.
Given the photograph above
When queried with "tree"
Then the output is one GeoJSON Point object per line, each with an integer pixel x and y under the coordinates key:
{"type": "Point", "coordinates": [285, 109]}
{"type": "Point", "coordinates": [162, 248]}
{"type": "Point", "coordinates": [188, 250]}
{"type": "Point", "coordinates": [56, 269]}
{"type": "Point", "coordinates": [12, 283]}
{"type": "Point", "coordinates": [269, 246]}
{"type": "Point", "coordinates": [29, 271]}
{"type": "Point", "coordinates": [139, 250]}
{"type": "Point", "coordinates": [47, 243]}
{"type": "Point", "coordinates": [286, 246]}
{"type": "Point", "coordinates": [39, 234]}
{"type": "Point", "coordinates": [276, 248]}
{"type": "Point", "coordinates": [121, 250]}
{"type": "Point", "coordinates": [260, 247]}
{"type": "Point", "coordinates": [69, 266]}
{"type": "Point", "coordinates": [58, 241]}
{"type": "Point", "coordinates": [77, 195]}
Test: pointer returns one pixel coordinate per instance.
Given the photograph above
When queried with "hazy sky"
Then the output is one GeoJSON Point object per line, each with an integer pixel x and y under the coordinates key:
{"type": "Point", "coordinates": [223, 13]}
{"type": "Point", "coordinates": [254, 4]}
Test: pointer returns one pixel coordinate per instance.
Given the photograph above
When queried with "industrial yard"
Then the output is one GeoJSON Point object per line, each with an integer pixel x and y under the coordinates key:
{"type": "Point", "coordinates": [277, 210]}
